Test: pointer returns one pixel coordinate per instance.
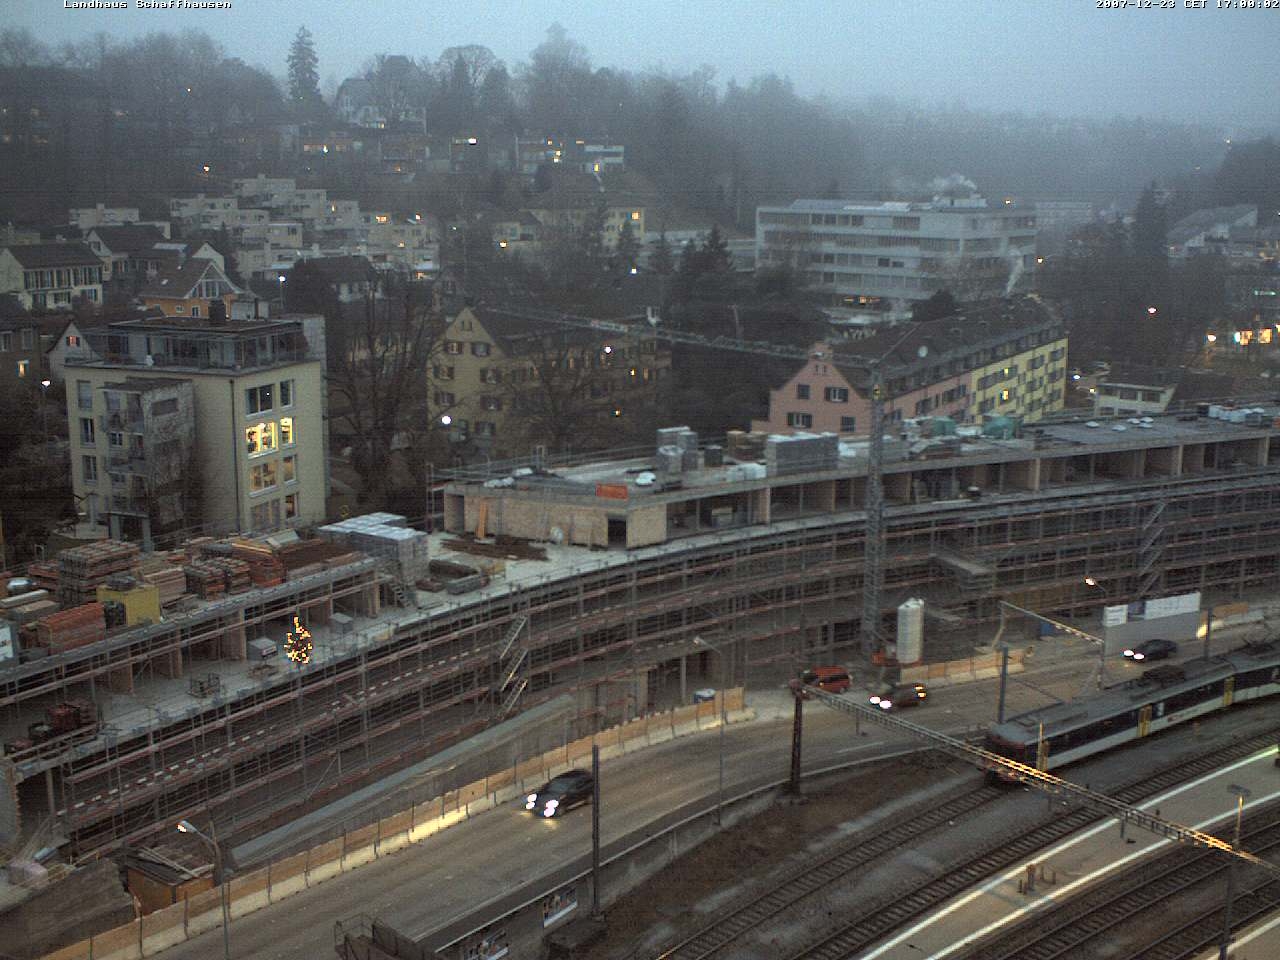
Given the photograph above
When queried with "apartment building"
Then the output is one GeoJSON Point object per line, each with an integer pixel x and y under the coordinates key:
{"type": "Point", "coordinates": [1008, 359]}
{"type": "Point", "coordinates": [51, 276]}
{"type": "Point", "coordinates": [129, 253]}
{"type": "Point", "coordinates": [254, 422]}
{"type": "Point", "coordinates": [886, 255]}
{"type": "Point", "coordinates": [499, 376]}
{"type": "Point", "coordinates": [19, 343]}
{"type": "Point", "coordinates": [100, 215]}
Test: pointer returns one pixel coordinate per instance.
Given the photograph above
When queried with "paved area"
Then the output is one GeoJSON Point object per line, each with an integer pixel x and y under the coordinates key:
{"type": "Point", "coordinates": [1204, 803]}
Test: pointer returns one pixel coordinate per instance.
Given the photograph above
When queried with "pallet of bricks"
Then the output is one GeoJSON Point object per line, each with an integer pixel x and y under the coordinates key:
{"type": "Point", "coordinates": [206, 580]}
{"type": "Point", "coordinates": [235, 571]}
{"type": "Point", "coordinates": [265, 568]}
{"type": "Point", "coordinates": [71, 628]}
{"type": "Point", "coordinates": [81, 570]}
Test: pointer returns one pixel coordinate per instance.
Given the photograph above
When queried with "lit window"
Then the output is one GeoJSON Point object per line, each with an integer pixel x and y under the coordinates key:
{"type": "Point", "coordinates": [23, 366]}
{"type": "Point", "coordinates": [73, 341]}
{"type": "Point", "coordinates": [260, 438]}
{"type": "Point", "coordinates": [635, 214]}
{"type": "Point", "coordinates": [1004, 396]}
{"type": "Point", "coordinates": [286, 431]}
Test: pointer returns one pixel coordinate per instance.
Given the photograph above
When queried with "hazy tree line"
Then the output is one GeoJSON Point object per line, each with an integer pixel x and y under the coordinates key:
{"type": "Point", "coordinates": [136, 106]}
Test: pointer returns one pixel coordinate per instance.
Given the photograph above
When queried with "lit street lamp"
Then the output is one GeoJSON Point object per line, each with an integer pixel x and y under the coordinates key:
{"type": "Point", "coordinates": [698, 641]}
{"type": "Point", "coordinates": [186, 826]}
{"type": "Point", "coordinates": [44, 397]}
{"type": "Point", "coordinates": [1102, 644]}
{"type": "Point", "coordinates": [1225, 943]}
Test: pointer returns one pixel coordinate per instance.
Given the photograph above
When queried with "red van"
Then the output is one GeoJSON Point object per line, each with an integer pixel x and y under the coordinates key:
{"type": "Point", "coordinates": [830, 679]}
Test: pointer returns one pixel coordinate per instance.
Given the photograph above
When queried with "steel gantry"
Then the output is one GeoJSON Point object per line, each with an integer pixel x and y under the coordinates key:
{"type": "Point", "coordinates": [1039, 779]}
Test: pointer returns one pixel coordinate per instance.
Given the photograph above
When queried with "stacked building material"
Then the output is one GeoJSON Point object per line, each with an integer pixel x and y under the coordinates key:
{"type": "Point", "coordinates": [743, 446]}
{"type": "Point", "coordinates": [306, 553]}
{"type": "Point", "coordinates": [801, 453]}
{"type": "Point", "coordinates": [44, 575]}
{"type": "Point", "coordinates": [169, 580]}
{"type": "Point", "coordinates": [385, 536]}
{"type": "Point", "coordinates": [31, 612]}
{"type": "Point", "coordinates": [265, 568]}
{"type": "Point", "coordinates": [205, 580]}
{"type": "Point", "coordinates": [236, 572]}
{"type": "Point", "coordinates": [72, 628]}
{"type": "Point", "coordinates": [81, 570]}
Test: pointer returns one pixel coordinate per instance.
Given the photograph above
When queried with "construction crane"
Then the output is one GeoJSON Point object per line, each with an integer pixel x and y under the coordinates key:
{"type": "Point", "coordinates": [873, 569]}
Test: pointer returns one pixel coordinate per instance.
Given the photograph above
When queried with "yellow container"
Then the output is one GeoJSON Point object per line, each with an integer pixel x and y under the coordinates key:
{"type": "Point", "coordinates": [140, 603]}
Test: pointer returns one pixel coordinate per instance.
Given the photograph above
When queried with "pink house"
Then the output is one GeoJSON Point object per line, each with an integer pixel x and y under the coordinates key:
{"type": "Point", "coordinates": [819, 398]}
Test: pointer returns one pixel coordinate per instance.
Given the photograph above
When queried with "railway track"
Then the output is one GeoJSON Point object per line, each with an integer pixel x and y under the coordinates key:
{"type": "Point", "coordinates": [884, 915]}
{"type": "Point", "coordinates": [1060, 931]}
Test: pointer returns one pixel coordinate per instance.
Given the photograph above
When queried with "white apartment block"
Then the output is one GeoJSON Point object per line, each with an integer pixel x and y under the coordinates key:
{"type": "Point", "coordinates": [886, 255]}
{"type": "Point", "coordinates": [86, 218]}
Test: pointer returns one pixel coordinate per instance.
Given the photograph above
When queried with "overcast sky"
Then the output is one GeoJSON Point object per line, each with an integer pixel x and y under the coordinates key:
{"type": "Point", "coordinates": [1063, 57]}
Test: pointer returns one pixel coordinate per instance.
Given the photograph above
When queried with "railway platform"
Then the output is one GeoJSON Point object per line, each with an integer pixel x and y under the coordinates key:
{"type": "Point", "coordinates": [1069, 866]}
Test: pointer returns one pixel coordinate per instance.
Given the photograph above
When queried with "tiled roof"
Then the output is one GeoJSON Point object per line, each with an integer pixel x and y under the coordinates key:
{"type": "Point", "coordinates": [40, 255]}
{"type": "Point", "coordinates": [131, 238]}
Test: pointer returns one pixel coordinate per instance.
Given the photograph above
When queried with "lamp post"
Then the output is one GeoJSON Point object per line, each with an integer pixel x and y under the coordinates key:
{"type": "Point", "coordinates": [1102, 644]}
{"type": "Point", "coordinates": [186, 826]}
{"type": "Point", "coordinates": [698, 641]}
{"type": "Point", "coordinates": [1224, 944]}
{"type": "Point", "coordinates": [44, 398]}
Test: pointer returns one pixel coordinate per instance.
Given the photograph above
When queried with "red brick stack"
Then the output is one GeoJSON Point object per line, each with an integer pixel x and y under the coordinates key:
{"type": "Point", "coordinates": [44, 575]}
{"type": "Point", "coordinates": [236, 572]}
{"type": "Point", "coordinates": [71, 628]}
{"type": "Point", "coordinates": [205, 580]}
{"type": "Point", "coordinates": [265, 568]}
{"type": "Point", "coordinates": [81, 570]}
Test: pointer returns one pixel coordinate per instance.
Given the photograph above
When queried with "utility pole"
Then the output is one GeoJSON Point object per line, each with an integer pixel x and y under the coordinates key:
{"type": "Point", "coordinates": [873, 549]}
{"type": "Point", "coordinates": [595, 832]}
{"type": "Point", "coordinates": [797, 729]}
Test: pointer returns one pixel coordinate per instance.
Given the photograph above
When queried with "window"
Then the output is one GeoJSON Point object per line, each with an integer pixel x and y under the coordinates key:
{"type": "Point", "coordinates": [90, 468]}
{"type": "Point", "coordinates": [260, 438]}
{"type": "Point", "coordinates": [290, 506]}
{"type": "Point", "coordinates": [6, 342]}
{"type": "Point", "coordinates": [485, 428]}
{"type": "Point", "coordinates": [288, 469]}
{"type": "Point", "coordinates": [266, 515]}
{"type": "Point", "coordinates": [848, 424]}
{"type": "Point", "coordinates": [23, 366]}
{"type": "Point", "coordinates": [446, 373]}
{"type": "Point", "coordinates": [802, 391]}
{"type": "Point", "coordinates": [115, 439]}
{"type": "Point", "coordinates": [84, 395]}
{"type": "Point", "coordinates": [836, 394]}
{"type": "Point", "coordinates": [257, 399]}
{"type": "Point", "coordinates": [479, 349]}
{"type": "Point", "coordinates": [799, 420]}
{"type": "Point", "coordinates": [453, 346]}
{"type": "Point", "coordinates": [444, 398]}
{"type": "Point", "coordinates": [490, 375]}
{"type": "Point", "coordinates": [86, 431]}
{"type": "Point", "coordinates": [986, 406]}
{"type": "Point", "coordinates": [1006, 396]}
{"type": "Point", "coordinates": [262, 476]}
{"type": "Point", "coordinates": [195, 311]}
{"type": "Point", "coordinates": [491, 403]}
{"type": "Point", "coordinates": [164, 407]}
{"type": "Point", "coordinates": [286, 393]}
{"type": "Point", "coordinates": [287, 437]}
{"type": "Point", "coordinates": [28, 338]}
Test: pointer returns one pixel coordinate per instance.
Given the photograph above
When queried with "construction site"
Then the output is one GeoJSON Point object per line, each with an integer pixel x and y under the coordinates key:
{"type": "Point", "coordinates": [246, 681]}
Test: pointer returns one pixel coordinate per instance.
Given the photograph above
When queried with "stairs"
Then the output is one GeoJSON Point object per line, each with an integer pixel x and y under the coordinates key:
{"type": "Point", "coordinates": [512, 657]}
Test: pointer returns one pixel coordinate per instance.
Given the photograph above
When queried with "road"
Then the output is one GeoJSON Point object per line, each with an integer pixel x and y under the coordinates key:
{"type": "Point", "coordinates": [428, 885]}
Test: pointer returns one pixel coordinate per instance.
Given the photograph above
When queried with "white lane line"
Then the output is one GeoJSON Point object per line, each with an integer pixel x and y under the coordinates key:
{"type": "Point", "coordinates": [1065, 845]}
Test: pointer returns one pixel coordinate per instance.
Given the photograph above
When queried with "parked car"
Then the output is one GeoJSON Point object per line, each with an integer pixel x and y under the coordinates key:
{"type": "Point", "coordinates": [830, 679]}
{"type": "Point", "coordinates": [560, 793]}
{"type": "Point", "coordinates": [1152, 650]}
{"type": "Point", "coordinates": [902, 696]}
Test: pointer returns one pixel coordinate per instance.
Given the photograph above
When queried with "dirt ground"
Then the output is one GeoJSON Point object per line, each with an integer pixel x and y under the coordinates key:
{"type": "Point", "coordinates": [679, 900]}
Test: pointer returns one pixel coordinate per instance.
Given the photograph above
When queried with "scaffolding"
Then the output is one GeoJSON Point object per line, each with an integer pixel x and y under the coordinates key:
{"type": "Point", "coordinates": [421, 680]}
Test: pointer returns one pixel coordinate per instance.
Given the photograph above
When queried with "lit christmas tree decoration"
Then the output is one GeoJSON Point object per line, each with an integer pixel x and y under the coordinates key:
{"type": "Point", "coordinates": [297, 643]}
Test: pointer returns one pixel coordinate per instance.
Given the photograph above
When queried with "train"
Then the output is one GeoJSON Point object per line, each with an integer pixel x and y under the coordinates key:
{"type": "Point", "coordinates": [1162, 697]}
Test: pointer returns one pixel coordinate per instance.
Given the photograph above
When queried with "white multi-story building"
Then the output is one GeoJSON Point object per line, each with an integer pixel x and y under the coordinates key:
{"type": "Point", "coordinates": [886, 255]}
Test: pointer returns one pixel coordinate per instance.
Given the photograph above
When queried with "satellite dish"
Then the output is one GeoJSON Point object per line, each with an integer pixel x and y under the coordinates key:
{"type": "Point", "coordinates": [557, 535]}
{"type": "Point", "coordinates": [922, 351]}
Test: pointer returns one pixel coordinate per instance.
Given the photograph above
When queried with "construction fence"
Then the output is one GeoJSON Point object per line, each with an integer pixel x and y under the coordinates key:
{"type": "Point", "coordinates": [277, 881]}
{"type": "Point", "coordinates": [967, 670]}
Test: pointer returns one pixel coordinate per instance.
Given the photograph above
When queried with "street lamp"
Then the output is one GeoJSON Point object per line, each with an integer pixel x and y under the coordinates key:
{"type": "Point", "coordinates": [1102, 644]}
{"type": "Point", "coordinates": [698, 641]}
{"type": "Point", "coordinates": [1224, 944]}
{"type": "Point", "coordinates": [44, 398]}
{"type": "Point", "coordinates": [186, 826]}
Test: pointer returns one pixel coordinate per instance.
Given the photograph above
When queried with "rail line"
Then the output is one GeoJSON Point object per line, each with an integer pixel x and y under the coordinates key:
{"type": "Point", "coordinates": [882, 917]}
{"type": "Point", "coordinates": [1061, 930]}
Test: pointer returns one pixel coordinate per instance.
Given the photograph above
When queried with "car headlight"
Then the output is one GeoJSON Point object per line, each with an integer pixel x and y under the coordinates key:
{"type": "Point", "coordinates": [529, 804]}
{"type": "Point", "coordinates": [1139, 656]}
{"type": "Point", "coordinates": [552, 804]}
{"type": "Point", "coordinates": [532, 798]}
{"type": "Point", "coordinates": [885, 704]}
{"type": "Point", "coordinates": [875, 699]}
{"type": "Point", "coordinates": [1128, 653]}
{"type": "Point", "coordinates": [549, 812]}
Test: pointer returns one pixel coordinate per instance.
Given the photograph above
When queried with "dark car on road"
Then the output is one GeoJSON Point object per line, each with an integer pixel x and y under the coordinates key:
{"type": "Point", "coordinates": [903, 695]}
{"type": "Point", "coordinates": [1152, 650]}
{"type": "Point", "coordinates": [560, 793]}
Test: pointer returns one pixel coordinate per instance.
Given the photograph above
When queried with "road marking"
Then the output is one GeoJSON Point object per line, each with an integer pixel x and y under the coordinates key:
{"type": "Point", "coordinates": [1107, 824]}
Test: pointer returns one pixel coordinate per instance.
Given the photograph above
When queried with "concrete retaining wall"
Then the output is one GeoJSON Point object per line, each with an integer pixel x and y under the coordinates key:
{"type": "Point", "coordinates": [279, 880]}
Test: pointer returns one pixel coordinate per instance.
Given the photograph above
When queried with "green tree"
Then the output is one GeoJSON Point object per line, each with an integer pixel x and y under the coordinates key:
{"type": "Point", "coordinates": [661, 261]}
{"type": "Point", "coordinates": [1150, 228]}
{"type": "Point", "coordinates": [304, 72]}
{"type": "Point", "coordinates": [628, 248]}
{"type": "Point", "coordinates": [941, 304]}
{"type": "Point", "coordinates": [715, 254]}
